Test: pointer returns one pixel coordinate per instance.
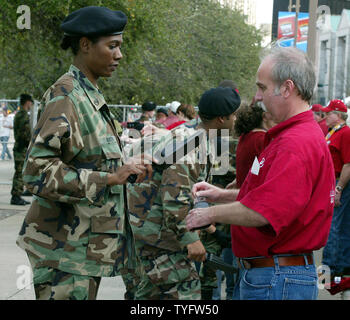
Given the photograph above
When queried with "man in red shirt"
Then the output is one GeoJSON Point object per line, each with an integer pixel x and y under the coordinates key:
{"type": "Point", "coordinates": [283, 210]}
{"type": "Point", "coordinates": [336, 253]}
{"type": "Point", "coordinates": [319, 117]}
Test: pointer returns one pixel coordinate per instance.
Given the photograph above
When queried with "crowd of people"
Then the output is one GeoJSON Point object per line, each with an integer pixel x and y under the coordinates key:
{"type": "Point", "coordinates": [285, 193]}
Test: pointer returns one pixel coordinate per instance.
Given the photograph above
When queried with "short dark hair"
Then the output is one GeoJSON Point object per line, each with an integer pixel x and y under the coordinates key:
{"type": "Point", "coordinates": [73, 42]}
{"type": "Point", "coordinates": [205, 118]}
{"type": "Point", "coordinates": [24, 98]}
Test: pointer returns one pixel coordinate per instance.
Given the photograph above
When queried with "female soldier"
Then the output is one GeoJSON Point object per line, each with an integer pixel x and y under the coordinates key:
{"type": "Point", "coordinates": [76, 230]}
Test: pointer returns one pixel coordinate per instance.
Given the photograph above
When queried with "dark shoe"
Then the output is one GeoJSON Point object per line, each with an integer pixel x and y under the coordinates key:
{"type": "Point", "coordinates": [18, 201]}
{"type": "Point", "coordinates": [26, 194]}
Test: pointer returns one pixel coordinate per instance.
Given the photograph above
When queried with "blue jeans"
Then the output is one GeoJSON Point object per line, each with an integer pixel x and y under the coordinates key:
{"type": "Point", "coordinates": [278, 283]}
{"type": "Point", "coordinates": [336, 253]}
{"type": "Point", "coordinates": [5, 149]}
{"type": "Point", "coordinates": [217, 291]}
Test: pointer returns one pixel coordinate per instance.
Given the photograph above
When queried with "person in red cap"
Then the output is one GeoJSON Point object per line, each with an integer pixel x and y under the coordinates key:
{"type": "Point", "coordinates": [336, 253]}
{"type": "Point", "coordinates": [283, 210]}
{"type": "Point", "coordinates": [319, 117]}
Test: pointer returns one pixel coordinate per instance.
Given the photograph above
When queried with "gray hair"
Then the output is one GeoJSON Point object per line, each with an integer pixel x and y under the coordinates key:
{"type": "Point", "coordinates": [293, 64]}
{"type": "Point", "coordinates": [342, 115]}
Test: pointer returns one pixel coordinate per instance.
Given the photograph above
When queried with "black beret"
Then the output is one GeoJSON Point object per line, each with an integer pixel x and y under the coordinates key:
{"type": "Point", "coordinates": [94, 20]}
{"type": "Point", "coordinates": [219, 102]}
{"type": "Point", "coordinates": [149, 106]}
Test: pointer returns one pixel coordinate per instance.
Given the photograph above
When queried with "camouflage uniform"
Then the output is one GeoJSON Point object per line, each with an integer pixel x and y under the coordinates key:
{"type": "Point", "coordinates": [22, 134]}
{"type": "Point", "coordinates": [76, 223]}
{"type": "Point", "coordinates": [223, 180]}
{"type": "Point", "coordinates": [207, 275]}
{"type": "Point", "coordinates": [157, 210]}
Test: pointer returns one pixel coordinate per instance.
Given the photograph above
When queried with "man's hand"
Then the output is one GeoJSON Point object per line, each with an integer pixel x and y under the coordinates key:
{"type": "Point", "coordinates": [212, 193]}
{"type": "Point", "coordinates": [198, 218]}
{"type": "Point", "coordinates": [196, 251]}
{"type": "Point", "coordinates": [337, 197]}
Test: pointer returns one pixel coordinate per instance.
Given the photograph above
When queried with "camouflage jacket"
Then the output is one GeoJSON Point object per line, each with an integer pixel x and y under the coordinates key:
{"type": "Point", "coordinates": [21, 131]}
{"type": "Point", "coordinates": [75, 218]}
{"type": "Point", "coordinates": [157, 208]}
{"type": "Point", "coordinates": [224, 179]}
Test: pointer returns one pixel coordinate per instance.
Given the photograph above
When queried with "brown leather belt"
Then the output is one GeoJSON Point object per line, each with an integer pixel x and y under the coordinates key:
{"type": "Point", "coordinates": [296, 260]}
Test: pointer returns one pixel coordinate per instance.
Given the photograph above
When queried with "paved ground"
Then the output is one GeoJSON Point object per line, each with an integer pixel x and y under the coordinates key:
{"type": "Point", "coordinates": [13, 261]}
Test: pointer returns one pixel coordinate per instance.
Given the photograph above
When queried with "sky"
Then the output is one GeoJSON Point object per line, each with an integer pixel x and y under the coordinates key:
{"type": "Point", "coordinates": [264, 11]}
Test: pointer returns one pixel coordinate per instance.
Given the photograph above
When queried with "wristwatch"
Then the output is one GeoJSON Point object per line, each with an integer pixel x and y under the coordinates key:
{"type": "Point", "coordinates": [338, 189]}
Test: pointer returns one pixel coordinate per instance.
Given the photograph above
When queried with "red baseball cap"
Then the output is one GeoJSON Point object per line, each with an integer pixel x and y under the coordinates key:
{"type": "Point", "coordinates": [335, 105]}
{"type": "Point", "coordinates": [316, 107]}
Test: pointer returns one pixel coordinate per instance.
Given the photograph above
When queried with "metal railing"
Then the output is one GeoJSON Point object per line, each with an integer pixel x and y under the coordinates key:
{"type": "Point", "coordinates": [121, 112]}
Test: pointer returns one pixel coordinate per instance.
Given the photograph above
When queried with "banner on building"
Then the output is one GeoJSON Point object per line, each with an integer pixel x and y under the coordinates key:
{"type": "Point", "coordinates": [286, 29]}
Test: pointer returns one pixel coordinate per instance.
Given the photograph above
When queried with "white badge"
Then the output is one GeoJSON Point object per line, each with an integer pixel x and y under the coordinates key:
{"type": "Point", "coordinates": [255, 167]}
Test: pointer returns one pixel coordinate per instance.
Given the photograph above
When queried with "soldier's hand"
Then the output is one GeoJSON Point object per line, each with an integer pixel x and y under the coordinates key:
{"type": "Point", "coordinates": [122, 173]}
{"type": "Point", "coordinates": [211, 229]}
{"type": "Point", "coordinates": [140, 165]}
{"type": "Point", "coordinates": [196, 251]}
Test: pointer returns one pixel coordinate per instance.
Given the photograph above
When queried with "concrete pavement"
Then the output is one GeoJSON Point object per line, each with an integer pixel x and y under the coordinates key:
{"type": "Point", "coordinates": [14, 264]}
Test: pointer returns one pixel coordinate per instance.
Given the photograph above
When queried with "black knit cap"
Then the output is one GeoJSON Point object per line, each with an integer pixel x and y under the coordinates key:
{"type": "Point", "coordinates": [149, 106]}
{"type": "Point", "coordinates": [219, 101]}
{"type": "Point", "coordinates": [94, 20]}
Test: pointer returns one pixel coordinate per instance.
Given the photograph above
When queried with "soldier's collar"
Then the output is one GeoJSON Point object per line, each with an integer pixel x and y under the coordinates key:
{"type": "Point", "coordinates": [94, 94]}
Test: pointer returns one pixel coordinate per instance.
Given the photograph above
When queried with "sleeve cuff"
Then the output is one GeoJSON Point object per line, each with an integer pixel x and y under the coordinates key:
{"type": "Point", "coordinates": [189, 237]}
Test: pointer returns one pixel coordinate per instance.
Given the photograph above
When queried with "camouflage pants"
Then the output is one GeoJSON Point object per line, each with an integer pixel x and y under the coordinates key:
{"type": "Point", "coordinates": [131, 281]}
{"type": "Point", "coordinates": [17, 181]}
{"type": "Point", "coordinates": [53, 284]}
{"type": "Point", "coordinates": [168, 277]}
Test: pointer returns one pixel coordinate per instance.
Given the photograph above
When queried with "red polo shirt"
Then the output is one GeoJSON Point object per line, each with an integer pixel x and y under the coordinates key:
{"type": "Point", "coordinates": [339, 146]}
{"type": "Point", "coordinates": [249, 146]}
{"type": "Point", "coordinates": [293, 189]}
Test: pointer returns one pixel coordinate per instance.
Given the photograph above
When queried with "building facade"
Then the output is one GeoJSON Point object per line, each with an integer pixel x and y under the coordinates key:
{"type": "Point", "coordinates": [336, 7]}
{"type": "Point", "coordinates": [247, 7]}
{"type": "Point", "coordinates": [333, 55]}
